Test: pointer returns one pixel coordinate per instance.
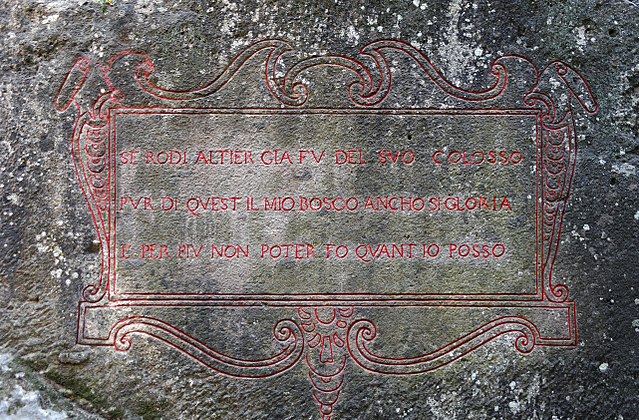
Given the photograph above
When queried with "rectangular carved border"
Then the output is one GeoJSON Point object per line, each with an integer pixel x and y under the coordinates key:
{"type": "Point", "coordinates": [328, 331]}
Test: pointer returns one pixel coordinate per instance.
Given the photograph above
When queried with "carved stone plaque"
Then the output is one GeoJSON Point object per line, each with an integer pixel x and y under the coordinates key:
{"type": "Point", "coordinates": [345, 215]}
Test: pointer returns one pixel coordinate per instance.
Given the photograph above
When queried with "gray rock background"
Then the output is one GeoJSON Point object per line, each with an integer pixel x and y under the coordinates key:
{"type": "Point", "coordinates": [48, 247]}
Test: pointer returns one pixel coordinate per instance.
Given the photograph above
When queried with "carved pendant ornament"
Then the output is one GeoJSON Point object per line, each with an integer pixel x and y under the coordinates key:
{"type": "Point", "coordinates": [326, 332]}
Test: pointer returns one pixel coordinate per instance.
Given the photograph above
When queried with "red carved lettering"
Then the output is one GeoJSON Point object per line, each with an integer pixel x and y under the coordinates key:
{"type": "Point", "coordinates": [465, 158]}
{"type": "Point", "coordinates": [250, 204]}
{"type": "Point", "coordinates": [328, 203]}
{"type": "Point", "coordinates": [459, 204]}
{"type": "Point", "coordinates": [296, 251]}
{"type": "Point", "coordinates": [279, 204]}
{"type": "Point", "coordinates": [368, 253]}
{"type": "Point", "coordinates": [229, 251]}
{"type": "Point", "coordinates": [224, 157]}
{"type": "Point", "coordinates": [213, 204]}
{"type": "Point", "coordinates": [349, 157]}
{"type": "Point", "coordinates": [395, 203]}
{"type": "Point", "coordinates": [169, 203]}
{"type": "Point", "coordinates": [126, 248]}
{"type": "Point", "coordinates": [436, 159]}
{"type": "Point", "coordinates": [276, 157]}
{"type": "Point", "coordinates": [340, 251]}
{"type": "Point", "coordinates": [189, 251]}
{"type": "Point", "coordinates": [304, 154]}
{"type": "Point", "coordinates": [476, 251]}
{"type": "Point", "coordinates": [155, 252]}
{"type": "Point", "coordinates": [406, 157]}
{"type": "Point", "coordinates": [430, 251]}
{"type": "Point", "coordinates": [135, 204]}
{"type": "Point", "coordinates": [171, 157]}
{"type": "Point", "coordinates": [129, 158]}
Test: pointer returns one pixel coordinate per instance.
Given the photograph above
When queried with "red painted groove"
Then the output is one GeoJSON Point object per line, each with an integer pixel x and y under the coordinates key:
{"type": "Point", "coordinates": [341, 335]}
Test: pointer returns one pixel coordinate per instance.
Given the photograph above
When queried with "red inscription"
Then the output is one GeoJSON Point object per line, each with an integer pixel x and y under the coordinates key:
{"type": "Point", "coordinates": [229, 251]}
{"type": "Point", "coordinates": [368, 253]}
{"type": "Point", "coordinates": [124, 254]}
{"type": "Point", "coordinates": [129, 158]}
{"type": "Point", "coordinates": [155, 252]}
{"type": "Point", "coordinates": [395, 203]}
{"type": "Point", "coordinates": [492, 157]}
{"type": "Point", "coordinates": [224, 157]}
{"type": "Point", "coordinates": [328, 203]}
{"type": "Point", "coordinates": [459, 204]}
{"type": "Point", "coordinates": [340, 251]}
{"type": "Point", "coordinates": [349, 157]}
{"type": "Point", "coordinates": [430, 251]}
{"type": "Point", "coordinates": [297, 251]}
{"type": "Point", "coordinates": [406, 157]}
{"type": "Point", "coordinates": [145, 202]}
{"type": "Point", "coordinates": [189, 251]}
{"type": "Point", "coordinates": [476, 251]}
{"type": "Point", "coordinates": [171, 157]}
{"type": "Point", "coordinates": [196, 205]}
{"type": "Point", "coordinates": [276, 157]}
{"type": "Point", "coordinates": [279, 204]}
{"type": "Point", "coordinates": [310, 154]}
{"type": "Point", "coordinates": [170, 203]}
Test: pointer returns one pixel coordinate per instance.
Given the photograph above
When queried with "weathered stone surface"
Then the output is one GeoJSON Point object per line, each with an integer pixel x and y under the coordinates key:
{"type": "Point", "coordinates": [74, 356]}
{"type": "Point", "coordinates": [50, 250]}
